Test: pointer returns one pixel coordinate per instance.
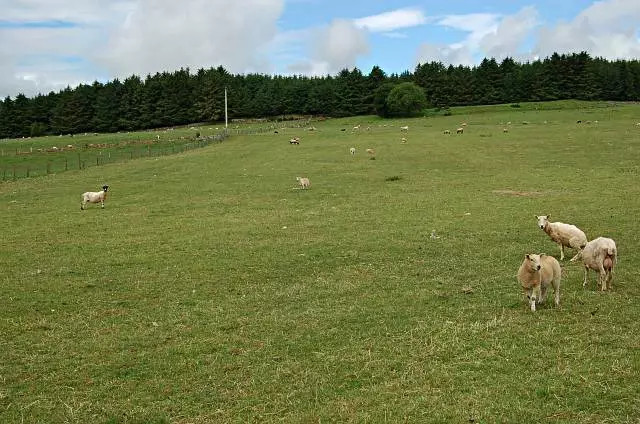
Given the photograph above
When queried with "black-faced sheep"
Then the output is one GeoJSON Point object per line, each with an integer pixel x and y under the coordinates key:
{"type": "Point", "coordinates": [94, 197]}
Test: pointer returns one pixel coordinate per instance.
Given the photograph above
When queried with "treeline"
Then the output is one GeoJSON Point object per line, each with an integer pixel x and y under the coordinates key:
{"type": "Point", "coordinates": [181, 97]}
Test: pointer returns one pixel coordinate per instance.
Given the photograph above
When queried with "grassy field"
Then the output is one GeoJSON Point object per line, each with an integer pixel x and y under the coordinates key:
{"type": "Point", "coordinates": [211, 289]}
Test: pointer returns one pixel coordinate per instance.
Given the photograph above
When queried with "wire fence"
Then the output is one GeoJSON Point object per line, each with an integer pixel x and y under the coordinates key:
{"type": "Point", "coordinates": [52, 161]}
{"type": "Point", "coordinates": [28, 164]}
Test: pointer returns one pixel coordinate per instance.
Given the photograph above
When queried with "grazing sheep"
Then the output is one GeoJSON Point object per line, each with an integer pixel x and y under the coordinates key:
{"type": "Point", "coordinates": [352, 150]}
{"type": "Point", "coordinates": [371, 152]}
{"type": "Point", "coordinates": [564, 234]}
{"type": "Point", "coordinates": [505, 130]}
{"type": "Point", "coordinates": [404, 139]}
{"type": "Point", "coordinates": [405, 128]}
{"type": "Point", "coordinates": [536, 274]}
{"type": "Point", "coordinates": [304, 182]}
{"type": "Point", "coordinates": [295, 140]}
{"type": "Point", "coordinates": [464, 124]}
{"type": "Point", "coordinates": [356, 128]}
{"type": "Point", "coordinates": [600, 255]}
{"type": "Point", "coordinates": [94, 197]}
{"type": "Point", "coordinates": [460, 130]}
{"type": "Point", "coordinates": [446, 132]}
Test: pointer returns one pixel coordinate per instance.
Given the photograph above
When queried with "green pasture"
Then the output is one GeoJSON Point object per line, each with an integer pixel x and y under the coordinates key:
{"type": "Point", "coordinates": [210, 289]}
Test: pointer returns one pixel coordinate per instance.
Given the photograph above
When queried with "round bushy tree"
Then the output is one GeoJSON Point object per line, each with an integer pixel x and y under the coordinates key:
{"type": "Point", "coordinates": [406, 99]}
{"type": "Point", "coordinates": [380, 96]}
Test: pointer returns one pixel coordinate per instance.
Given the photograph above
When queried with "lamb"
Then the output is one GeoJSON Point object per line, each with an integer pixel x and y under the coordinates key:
{"type": "Point", "coordinates": [304, 182]}
{"type": "Point", "coordinates": [460, 130]}
{"type": "Point", "coordinates": [600, 255]}
{"type": "Point", "coordinates": [536, 274]}
{"type": "Point", "coordinates": [352, 150]}
{"type": "Point", "coordinates": [94, 197]}
{"type": "Point", "coordinates": [564, 234]}
{"type": "Point", "coordinates": [405, 128]}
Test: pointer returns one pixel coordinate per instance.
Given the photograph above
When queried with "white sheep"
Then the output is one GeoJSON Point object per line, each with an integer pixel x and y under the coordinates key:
{"type": "Point", "coordinates": [405, 128]}
{"type": "Point", "coordinates": [564, 234]}
{"type": "Point", "coordinates": [600, 255]}
{"type": "Point", "coordinates": [94, 197]}
{"type": "Point", "coordinates": [404, 139]}
{"type": "Point", "coordinates": [352, 150]}
{"type": "Point", "coordinates": [446, 132]}
{"type": "Point", "coordinates": [304, 182]}
{"type": "Point", "coordinates": [356, 128]}
{"type": "Point", "coordinates": [460, 130]}
{"type": "Point", "coordinates": [536, 274]}
{"type": "Point", "coordinates": [371, 151]}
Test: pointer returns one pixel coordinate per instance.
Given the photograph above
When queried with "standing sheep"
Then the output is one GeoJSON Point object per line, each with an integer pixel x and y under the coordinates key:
{"type": "Point", "coordinates": [564, 234]}
{"type": "Point", "coordinates": [460, 130]}
{"type": "Point", "coordinates": [536, 274]}
{"type": "Point", "coordinates": [600, 255]}
{"type": "Point", "coordinates": [94, 197]}
{"type": "Point", "coordinates": [352, 151]}
{"type": "Point", "coordinates": [304, 182]}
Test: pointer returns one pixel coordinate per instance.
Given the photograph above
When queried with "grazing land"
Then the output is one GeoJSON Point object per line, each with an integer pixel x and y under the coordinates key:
{"type": "Point", "coordinates": [212, 289]}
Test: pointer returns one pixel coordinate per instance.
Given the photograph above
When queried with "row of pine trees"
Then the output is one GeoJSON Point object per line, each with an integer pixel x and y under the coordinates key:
{"type": "Point", "coordinates": [181, 97]}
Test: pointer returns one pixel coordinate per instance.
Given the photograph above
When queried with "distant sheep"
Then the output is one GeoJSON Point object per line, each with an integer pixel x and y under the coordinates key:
{"type": "Point", "coordinates": [94, 197]}
{"type": "Point", "coordinates": [564, 234]}
{"type": "Point", "coordinates": [460, 130]}
{"type": "Point", "coordinates": [600, 255]}
{"type": "Point", "coordinates": [446, 132]}
{"type": "Point", "coordinates": [404, 139]}
{"type": "Point", "coordinates": [304, 182]}
{"type": "Point", "coordinates": [464, 124]}
{"type": "Point", "coordinates": [352, 150]}
{"type": "Point", "coordinates": [536, 274]}
{"type": "Point", "coordinates": [371, 152]}
{"type": "Point", "coordinates": [405, 128]}
{"type": "Point", "coordinates": [505, 130]}
{"type": "Point", "coordinates": [356, 128]}
{"type": "Point", "coordinates": [295, 140]}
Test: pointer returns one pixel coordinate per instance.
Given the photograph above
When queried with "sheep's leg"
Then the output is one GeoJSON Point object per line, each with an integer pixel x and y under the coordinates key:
{"type": "Point", "coordinates": [602, 278]}
{"type": "Point", "coordinates": [102, 204]}
{"type": "Point", "coordinates": [561, 251]}
{"type": "Point", "coordinates": [586, 271]}
{"type": "Point", "coordinates": [556, 292]}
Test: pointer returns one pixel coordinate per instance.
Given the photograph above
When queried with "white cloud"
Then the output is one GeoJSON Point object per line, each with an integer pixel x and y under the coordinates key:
{"type": "Point", "coordinates": [391, 21]}
{"type": "Point", "coordinates": [606, 28]}
{"type": "Point", "coordinates": [166, 35]}
{"type": "Point", "coordinates": [510, 33]}
{"type": "Point", "coordinates": [333, 48]}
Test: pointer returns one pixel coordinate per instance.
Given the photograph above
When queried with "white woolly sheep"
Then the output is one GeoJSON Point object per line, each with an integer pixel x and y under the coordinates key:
{"type": "Point", "coordinates": [304, 182]}
{"type": "Point", "coordinates": [94, 197]}
{"type": "Point", "coordinates": [460, 130]}
{"type": "Point", "coordinates": [404, 139]}
{"type": "Point", "coordinates": [405, 128]}
{"type": "Point", "coordinates": [505, 130]}
{"type": "Point", "coordinates": [464, 124]}
{"type": "Point", "coordinates": [356, 128]}
{"type": "Point", "coordinates": [446, 132]}
{"type": "Point", "coordinates": [566, 235]}
{"type": "Point", "coordinates": [600, 255]}
{"type": "Point", "coordinates": [352, 150]}
{"type": "Point", "coordinates": [295, 140]}
{"type": "Point", "coordinates": [371, 151]}
{"type": "Point", "coordinates": [536, 274]}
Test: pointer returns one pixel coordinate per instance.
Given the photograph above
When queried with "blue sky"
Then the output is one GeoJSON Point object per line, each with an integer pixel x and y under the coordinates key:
{"type": "Point", "coordinates": [49, 44]}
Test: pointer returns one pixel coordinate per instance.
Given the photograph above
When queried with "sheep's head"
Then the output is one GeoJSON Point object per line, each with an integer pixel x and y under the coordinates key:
{"type": "Point", "coordinates": [533, 261]}
{"type": "Point", "coordinates": [542, 221]}
{"type": "Point", "coordinates": [105, 187]}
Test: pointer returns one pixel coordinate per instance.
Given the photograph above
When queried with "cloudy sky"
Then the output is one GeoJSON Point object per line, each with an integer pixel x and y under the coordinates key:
{"type": "Point", "coordinates": [48, 44]}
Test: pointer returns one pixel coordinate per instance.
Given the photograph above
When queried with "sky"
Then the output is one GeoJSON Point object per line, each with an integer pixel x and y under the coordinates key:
{"type": "Point", "coordinates": [47, 45]}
